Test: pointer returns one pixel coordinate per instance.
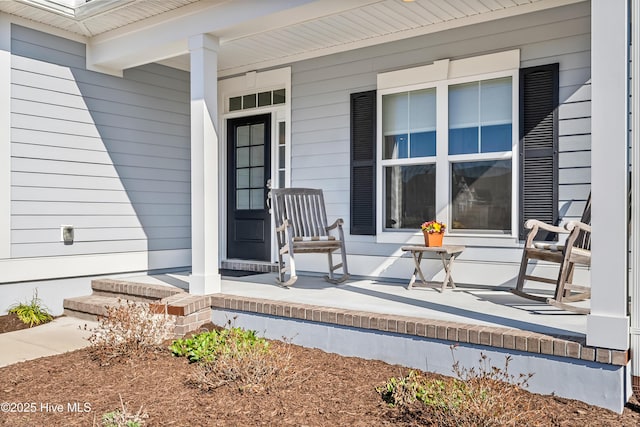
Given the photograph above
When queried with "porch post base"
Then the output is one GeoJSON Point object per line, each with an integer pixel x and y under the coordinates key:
{"type": "Point", "coordinates": [608, 331]}
{"type": "Point", "coordinates": [200, 284]}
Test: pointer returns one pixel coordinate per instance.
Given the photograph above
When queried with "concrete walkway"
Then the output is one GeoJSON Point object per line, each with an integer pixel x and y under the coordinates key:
{"type": "Point", "coordinates": [61, 335]}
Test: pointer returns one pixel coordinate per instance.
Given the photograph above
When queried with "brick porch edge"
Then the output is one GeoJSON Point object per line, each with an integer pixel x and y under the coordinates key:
{"type": "Point", "coordinates": [491, 336]}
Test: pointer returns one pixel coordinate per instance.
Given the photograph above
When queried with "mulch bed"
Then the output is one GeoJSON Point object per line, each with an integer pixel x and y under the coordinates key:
{"type": "Point", "coordinates": [72, 389]}
{"type": "Point", "coordinates": [11, 322]}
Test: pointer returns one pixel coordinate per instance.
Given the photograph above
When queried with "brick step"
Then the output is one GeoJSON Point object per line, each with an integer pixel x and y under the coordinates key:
{"type": "Point", "coordinates": [189, 311]}
{"type": "Point", "coordinates": [132, 291]}
{"type": "Point", "coordinates": [89, 307]}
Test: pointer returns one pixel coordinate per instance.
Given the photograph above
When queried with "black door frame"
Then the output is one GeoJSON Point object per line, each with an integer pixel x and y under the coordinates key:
{"type": "Point", "coordinates": [254, 251]}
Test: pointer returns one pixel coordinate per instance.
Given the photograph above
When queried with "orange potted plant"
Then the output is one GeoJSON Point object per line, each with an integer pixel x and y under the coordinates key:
{"type": "Point", "coordinates": [433, 232]}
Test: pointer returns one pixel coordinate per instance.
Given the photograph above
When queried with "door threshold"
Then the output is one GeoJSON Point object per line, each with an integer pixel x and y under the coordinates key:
{"type": "Point", "coordinates": [249, 265]}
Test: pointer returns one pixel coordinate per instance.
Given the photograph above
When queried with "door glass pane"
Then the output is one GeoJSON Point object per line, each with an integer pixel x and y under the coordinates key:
{"type": "Point", "coordinates": [481, 196]}
{"type": "Point", "coordinates": [242, 178]}
{"type": "Point", "coordinates": [243, 137]}
{"type": "Point", "coordinates": [282, 151]}
{"type": "Point", "coordinates": [257, 134]}
{"type": "Point", "coordinates": [257, 198]}
{"type": "Point", "coordinates": [410, 195]}
{"type": "Point", "coordinates": [257, 177]}
{"type": "Point", "coordinates": [242, 157]}
{"type": "Point", "coordinates": [242, 199]}
{"type": "Point", "coordinates": [257, 155]}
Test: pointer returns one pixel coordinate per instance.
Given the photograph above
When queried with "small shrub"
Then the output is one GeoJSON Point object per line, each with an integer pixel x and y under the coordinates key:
{"type": "Point", "coordinates": [251, 370]}
{"type": "Point", "coordinates": [129, 329]}
{"type": "Point", "coordinates": [233, 355]}
{"type": "Point", "coordinates": [33, 312]}
{"type": "Point", "coordinates": [207, 346]}
{"type": "Point", "coordinates": [484, 396]}
{"type": "Point", "coordinates": [123, 418]}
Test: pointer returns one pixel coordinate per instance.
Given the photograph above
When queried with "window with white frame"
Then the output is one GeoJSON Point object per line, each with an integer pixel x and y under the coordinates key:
{"type": "Point", "coordinates": [447, 146]}
{"type": "Point", "coordinates": [409, 149]}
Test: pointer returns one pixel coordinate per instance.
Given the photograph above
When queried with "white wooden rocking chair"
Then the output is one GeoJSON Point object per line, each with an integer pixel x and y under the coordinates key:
{"type": "Point", "coordinates": [576, 250]}
{"type": "Point", "coordinates": [301, 227]}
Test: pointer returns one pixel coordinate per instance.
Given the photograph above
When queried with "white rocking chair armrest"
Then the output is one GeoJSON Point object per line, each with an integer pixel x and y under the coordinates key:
{"type": "Point", "coordinates": [337, 223]}
{"type": "Point", "coordinates": [571, 225]}
{"type": "Point", "coordinates": [286, 224]}
{"type": "Point", "coordinates": [534, 223]}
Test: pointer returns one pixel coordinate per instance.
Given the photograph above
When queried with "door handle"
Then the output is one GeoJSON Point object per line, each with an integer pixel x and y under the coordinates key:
{"type": "Point", "coordinates": [268, 185]}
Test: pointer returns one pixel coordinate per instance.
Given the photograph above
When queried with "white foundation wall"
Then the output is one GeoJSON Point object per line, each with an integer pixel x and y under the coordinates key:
{"type": "Point", "coordinates": [597, 384]}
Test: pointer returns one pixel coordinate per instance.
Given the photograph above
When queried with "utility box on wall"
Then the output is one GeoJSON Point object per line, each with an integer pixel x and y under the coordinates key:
{"type": "Point", "coordinates": [67, 234]}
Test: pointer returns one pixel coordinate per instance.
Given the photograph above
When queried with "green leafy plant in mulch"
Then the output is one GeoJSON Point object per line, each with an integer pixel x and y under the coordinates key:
{"type": "Point", "coordinates": [207, 346]}
{"type": "Point", "coordinates": [233, 356]}
{"type": "Point", "coordinates": [32, 312]}
{"type": "Point", "coordinates": [123, 418]}
{"type": "Point", "coordinates": [483, 396]}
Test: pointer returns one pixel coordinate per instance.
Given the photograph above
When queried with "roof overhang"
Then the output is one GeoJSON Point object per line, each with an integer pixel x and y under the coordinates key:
{"type": "Point", "coordinates": [254, 34]}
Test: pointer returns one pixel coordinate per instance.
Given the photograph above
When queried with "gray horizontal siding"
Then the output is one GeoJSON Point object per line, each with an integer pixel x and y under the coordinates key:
{"type": "Point", "coordinates": [32, 222]}
{"type": "Point", "coordinates": [81, 169]}
{"type": "Point", "coordinates": [40, 208]}
{"type": "Point", "coordinates": [28, 250]}
{"type": "Point", "coordinates": [110, 156]}
{"type": "Point", "coordinates": [33, 179]}
{"type": "Point", "coordinates": [321, 89]}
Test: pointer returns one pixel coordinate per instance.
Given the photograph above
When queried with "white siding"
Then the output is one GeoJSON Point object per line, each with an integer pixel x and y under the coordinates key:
{"type": "Point", "coordinates": [320, 108]}
{"type": "Point", "coordinates": [108, 155]}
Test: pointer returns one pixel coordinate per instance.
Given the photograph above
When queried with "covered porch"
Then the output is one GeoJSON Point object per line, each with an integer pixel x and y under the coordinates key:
{"type": "Point", "coordinates": [607, 325]}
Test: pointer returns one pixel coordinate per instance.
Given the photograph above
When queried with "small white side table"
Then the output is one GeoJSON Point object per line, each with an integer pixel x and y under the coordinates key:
{"type": "Point", "coordinates": [448, 253]}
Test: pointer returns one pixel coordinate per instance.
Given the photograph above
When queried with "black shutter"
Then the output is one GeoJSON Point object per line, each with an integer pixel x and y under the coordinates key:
{"type": "Point", "coordinates": [363, 163]}
{"type": "Point", "coordinates": [539, 146]}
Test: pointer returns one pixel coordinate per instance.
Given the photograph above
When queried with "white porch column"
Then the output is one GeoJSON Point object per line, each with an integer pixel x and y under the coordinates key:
{"type": "Point", "coordinates": [634, 280]}
{"type": "Point", "coordinates": [5, 137]}
{"type": "Point", "coordinates": [608, 323]}
{"type": "Point", "coordinates": [205, 278]}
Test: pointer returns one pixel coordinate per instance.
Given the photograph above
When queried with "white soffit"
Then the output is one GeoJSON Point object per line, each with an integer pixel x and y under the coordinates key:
{"type": "Point", "coordinates": [374, 23]}
{"type": "Point", "coordinates": [297, 30]}
{"type": "Point", "coordinates": [90, 18]}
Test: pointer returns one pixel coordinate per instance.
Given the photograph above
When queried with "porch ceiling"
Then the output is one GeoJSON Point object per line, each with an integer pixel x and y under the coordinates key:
{"type": "Point", "coordinates": [91, 18]}
{"type": "Point", "coordinates": [263, 36]}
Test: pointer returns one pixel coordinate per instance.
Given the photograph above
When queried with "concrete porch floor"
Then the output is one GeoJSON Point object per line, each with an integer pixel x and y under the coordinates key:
{"type": "Point", "coordinates": [471, 305]}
